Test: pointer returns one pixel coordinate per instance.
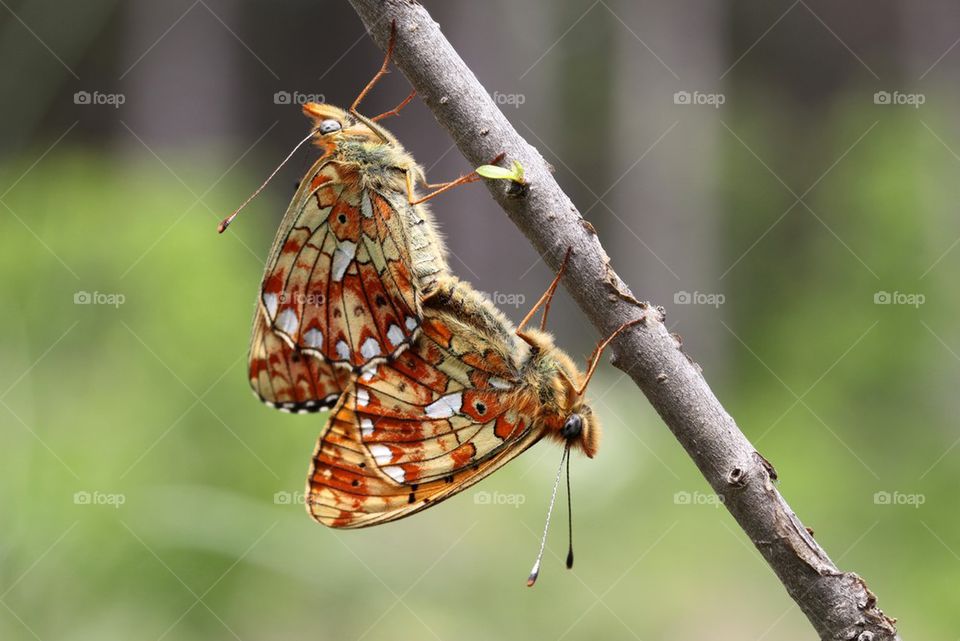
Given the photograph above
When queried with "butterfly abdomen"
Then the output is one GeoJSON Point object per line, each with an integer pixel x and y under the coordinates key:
{"type": "Point", "coordinates": [428, 260]}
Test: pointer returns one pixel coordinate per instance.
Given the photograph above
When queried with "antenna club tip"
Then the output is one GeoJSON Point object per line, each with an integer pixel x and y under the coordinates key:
{"type": "Point", "coordinates": [534, 573]}
{"type": "Point", "coordinates": [570, 560]}
{"type": "Point", "coordinates": [222, 227]}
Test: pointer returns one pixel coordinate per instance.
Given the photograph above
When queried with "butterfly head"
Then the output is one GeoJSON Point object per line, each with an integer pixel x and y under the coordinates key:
{"type": "Point", "coordinates": [567, 415]}
{"type": "Point", "coordinates": [581, 429]}
{"type": "Point", "coordinates": [580, 426]}
{"type": "Point", "coordinates": [333, 126]}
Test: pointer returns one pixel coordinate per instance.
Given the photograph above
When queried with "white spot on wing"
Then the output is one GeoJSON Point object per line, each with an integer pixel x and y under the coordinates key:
{"type": "Point", "coordinates": [394, 472]}
{"type": "Point", "coordinates": [270, 302]}
{"type": "Point", "coordinates": [365, 206]}
{"type": "Point", "coordinates": [395, 335]}
{"type": "Point", "coordinates": [368, 375]}
{"type": "Point", "coordinates": [366, 427]}
{"type": "Point", "coordinates": [343, 350]}
{"type": "Point", "coordinates": [381, 453]}
{"type": "Point", "coordinates": [363, 397]}
{"type": "Point", "coordinates": [287, 321]}
{"type": "Point", "coordinates": [342, 256]}
{"type": "Point", "coordinates": [411, 323]}
{"type": "Point", "coordinates": [445, 406]}
{"type": "Point", "coordinates": [313, 337]}
{"type": "Point", "coordinates": [370, 348]}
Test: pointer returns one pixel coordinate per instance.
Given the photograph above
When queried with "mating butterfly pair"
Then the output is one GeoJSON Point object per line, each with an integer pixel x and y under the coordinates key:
{"type": "Point", "coordinates": [431, 387]}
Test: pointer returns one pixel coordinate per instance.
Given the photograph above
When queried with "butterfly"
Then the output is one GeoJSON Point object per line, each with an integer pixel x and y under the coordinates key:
{"type": "Point", "coordinates": [353, 256]}
{"type": "Point", "coordinates": [469, 395]}
{"type": "Point", "coordinates": [431, 387]}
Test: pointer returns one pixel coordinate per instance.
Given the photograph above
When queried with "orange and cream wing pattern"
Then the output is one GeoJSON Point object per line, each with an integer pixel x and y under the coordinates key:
{"type": "Point", "coordinates": [415, 430]}
{"type": "Point", "coordinates": [284, 378]}
{"type": "Point", "coordinates": [338, 282]}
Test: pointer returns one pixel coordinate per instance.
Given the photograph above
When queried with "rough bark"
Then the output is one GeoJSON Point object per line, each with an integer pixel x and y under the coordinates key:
{"type": "Point", "coordinates": [837, 603]}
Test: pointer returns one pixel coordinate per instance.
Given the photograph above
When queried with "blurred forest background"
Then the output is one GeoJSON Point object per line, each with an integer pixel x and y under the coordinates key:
{"type": "Point", "coordinates": [781, 176]}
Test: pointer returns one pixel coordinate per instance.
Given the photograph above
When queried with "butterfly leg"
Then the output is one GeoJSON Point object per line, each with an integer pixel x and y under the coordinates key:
{"type": "Point", "coordinates": [396, 110]}
{"type": "Point", "coordinates": [439, 188]}
{"type": "Point", "coordinates": [544, 301]}
{"type": "Point", "coordinates": [595, 357]}
{"type": "Point", "coordinates": [384, 70]}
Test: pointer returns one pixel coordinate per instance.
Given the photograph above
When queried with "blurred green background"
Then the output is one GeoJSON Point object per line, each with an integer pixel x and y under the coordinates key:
{"type": "Point", "coordinates": [781, 177]}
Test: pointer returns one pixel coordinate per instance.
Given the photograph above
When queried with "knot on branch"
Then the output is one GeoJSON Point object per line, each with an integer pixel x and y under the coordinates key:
{"type": "Point", "coordinates": [737, 477]}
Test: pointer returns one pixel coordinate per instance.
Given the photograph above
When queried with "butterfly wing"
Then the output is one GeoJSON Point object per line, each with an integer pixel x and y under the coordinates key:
{"type": "Point", "coordinates": [338, 282]}
{"type": "Point", "coordinates": [426, 425]}
{"type": "Point", "coordinates": [284, 378]}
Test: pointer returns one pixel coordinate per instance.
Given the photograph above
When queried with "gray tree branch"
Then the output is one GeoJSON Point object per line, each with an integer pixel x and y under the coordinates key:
{"type": "Point", "coordinates": [837, 603]}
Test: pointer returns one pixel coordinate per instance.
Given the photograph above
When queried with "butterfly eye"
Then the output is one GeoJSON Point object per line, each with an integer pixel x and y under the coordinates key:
{"type": "Point", "coordinates": [328, 126]}
{"type": "Point", "coordinates": [572, 426]}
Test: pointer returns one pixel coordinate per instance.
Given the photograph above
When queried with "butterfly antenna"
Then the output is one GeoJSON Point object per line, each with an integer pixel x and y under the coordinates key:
{"type": "Point", "coordinates": [535, 572]}
{"type": "Point", "coordinates": [569, 514]}
{"type": "Point", "coordinates": [222, 227]}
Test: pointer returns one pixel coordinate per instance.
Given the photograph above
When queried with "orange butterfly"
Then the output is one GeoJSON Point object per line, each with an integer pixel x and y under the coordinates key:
{"type": "Point", "coordinates": [353, 257]}
{"type": "Point", "coordinates": [434, 389]}
{"type": "Point", "coordinates": [470, 394]}
{"type": "Point", "coordinates": [467, 397]}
